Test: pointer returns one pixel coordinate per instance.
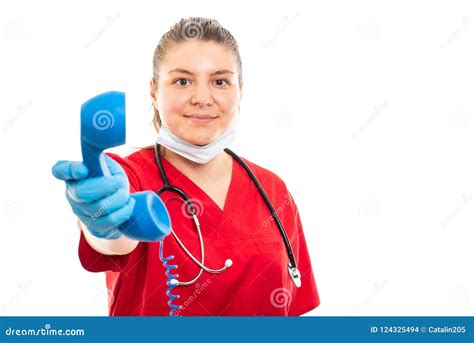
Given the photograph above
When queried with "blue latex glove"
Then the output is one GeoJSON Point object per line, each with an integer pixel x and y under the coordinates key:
{"type": "Point", "coordinates": [101, 203]}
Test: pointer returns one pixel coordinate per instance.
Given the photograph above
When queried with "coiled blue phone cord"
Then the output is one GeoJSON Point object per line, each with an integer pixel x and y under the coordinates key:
{"type": "Point", "coordinates": [172, 281]}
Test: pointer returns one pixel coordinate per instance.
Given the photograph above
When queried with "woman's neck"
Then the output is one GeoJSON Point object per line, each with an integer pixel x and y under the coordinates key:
{"type": "Point", "coordinates": [214, 169]}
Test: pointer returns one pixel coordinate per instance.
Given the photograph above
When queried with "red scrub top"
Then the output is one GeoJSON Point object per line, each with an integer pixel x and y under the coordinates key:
{"type": "Point", "coordinates": [257, 283]}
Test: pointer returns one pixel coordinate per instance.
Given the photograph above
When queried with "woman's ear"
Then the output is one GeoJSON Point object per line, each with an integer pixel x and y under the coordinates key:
{"type": "Point", "coordinates": [153, 90]}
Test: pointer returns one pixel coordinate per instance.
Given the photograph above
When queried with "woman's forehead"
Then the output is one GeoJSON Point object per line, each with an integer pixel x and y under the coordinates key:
{"type": "Point", "coordinates": [196, 57]}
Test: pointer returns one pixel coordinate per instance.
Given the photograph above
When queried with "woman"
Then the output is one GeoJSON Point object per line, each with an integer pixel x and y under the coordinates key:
{"type": "Point", "coordinates": [196, 90]}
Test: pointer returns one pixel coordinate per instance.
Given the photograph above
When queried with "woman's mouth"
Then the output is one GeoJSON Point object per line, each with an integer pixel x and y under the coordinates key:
{"type": "Point", "coordinates": [201, 118]}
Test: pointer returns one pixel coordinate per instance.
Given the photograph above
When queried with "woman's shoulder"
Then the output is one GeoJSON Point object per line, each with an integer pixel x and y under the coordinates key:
{"type": "Point", "coordinates": [274, 186]}
{"type": "Point", "coordinates": [265, 175]}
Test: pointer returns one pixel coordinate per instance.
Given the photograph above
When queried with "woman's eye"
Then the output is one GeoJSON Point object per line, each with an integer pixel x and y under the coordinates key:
{"type": "Point", "coordinates": [182, 82]}
{"type": "Point", "coordinates": [221, 82]}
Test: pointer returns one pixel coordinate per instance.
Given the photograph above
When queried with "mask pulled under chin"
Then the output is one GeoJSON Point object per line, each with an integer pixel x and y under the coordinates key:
{"type": "Point", "coordinates": [195, 153]}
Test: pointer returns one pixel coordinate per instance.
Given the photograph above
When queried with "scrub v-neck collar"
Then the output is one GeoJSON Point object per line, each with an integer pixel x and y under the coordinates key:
{"type": "Point", "coordinates": [179, 179]}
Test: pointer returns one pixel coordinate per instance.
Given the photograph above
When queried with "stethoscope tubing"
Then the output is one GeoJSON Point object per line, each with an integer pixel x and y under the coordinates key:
{"type": "Point", "coordinates": [168, 187]}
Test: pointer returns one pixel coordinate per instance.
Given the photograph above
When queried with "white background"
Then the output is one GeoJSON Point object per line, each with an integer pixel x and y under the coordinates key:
{"type": "Point", "coordinates": [364, 108]}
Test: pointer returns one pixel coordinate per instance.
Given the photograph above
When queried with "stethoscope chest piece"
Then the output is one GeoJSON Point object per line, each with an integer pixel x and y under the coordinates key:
{"type": "Point", "coordinates": [295, 275]}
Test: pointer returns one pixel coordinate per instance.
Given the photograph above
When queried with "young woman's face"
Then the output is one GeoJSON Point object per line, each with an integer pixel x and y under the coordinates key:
{"type": "Point", "coordinates": [198, 91]}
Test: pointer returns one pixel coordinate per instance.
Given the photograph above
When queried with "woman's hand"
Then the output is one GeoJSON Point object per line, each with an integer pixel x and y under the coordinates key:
{"type": "Point", "coordinates": [101, 203]}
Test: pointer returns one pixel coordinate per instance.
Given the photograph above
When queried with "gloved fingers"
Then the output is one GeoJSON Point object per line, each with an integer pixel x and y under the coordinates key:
{"type": "Point", "coordinates": [93, 189]}
{"type": "Point", "coordinates": [107, 205]}
{"type": "Point", "coordinates": [114, 167]}
{"type": "Point", "coordinates": [115, 219]}
{"type": "Point", "coordinates": [69, 170]}
{"type": "Point", "coordinates": [76, 208]}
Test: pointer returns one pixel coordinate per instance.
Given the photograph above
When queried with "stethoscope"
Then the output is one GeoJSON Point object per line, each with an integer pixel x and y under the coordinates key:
{"type": "Point", "coordinates": [292, 267]}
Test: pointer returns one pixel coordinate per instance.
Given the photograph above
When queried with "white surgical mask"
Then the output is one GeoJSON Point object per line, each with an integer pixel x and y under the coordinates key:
{"type": "Point", "coordinates": [197, 153]}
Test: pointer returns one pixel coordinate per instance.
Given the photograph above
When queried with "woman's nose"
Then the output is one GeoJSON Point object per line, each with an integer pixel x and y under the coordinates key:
{"type": "Point", "coordinates": [202, 96]}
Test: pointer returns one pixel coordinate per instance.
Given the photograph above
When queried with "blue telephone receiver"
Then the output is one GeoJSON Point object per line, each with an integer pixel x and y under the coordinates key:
{"type": "Point", "coordinates": [102, 127]}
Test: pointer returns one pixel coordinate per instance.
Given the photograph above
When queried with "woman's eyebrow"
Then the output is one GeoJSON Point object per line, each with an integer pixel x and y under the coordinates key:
{"type": "Point", "coordinates": [184, 71]}
{"type": "Point", "coordinates": [179, 70]}
{"type": "Point", "coordinates": [224, 71]}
